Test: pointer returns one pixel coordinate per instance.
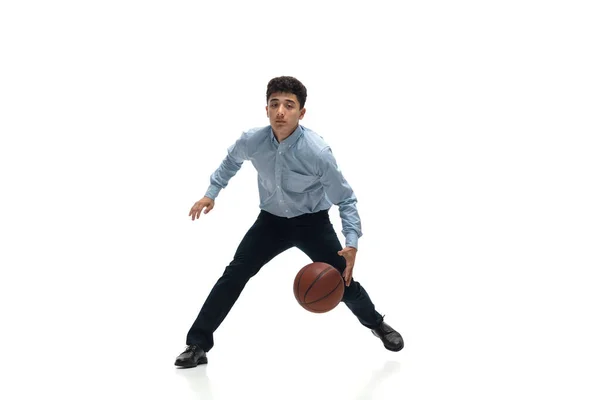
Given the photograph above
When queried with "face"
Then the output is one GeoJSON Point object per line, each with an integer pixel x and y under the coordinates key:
{"type": "Point", "coordinates": [283, 110]}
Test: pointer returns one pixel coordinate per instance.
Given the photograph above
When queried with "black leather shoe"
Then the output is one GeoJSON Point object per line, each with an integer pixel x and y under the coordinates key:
{"type": "Point", "coordinates": [390, 338]}
{"type": "Point", "coordinates": [191, 357]}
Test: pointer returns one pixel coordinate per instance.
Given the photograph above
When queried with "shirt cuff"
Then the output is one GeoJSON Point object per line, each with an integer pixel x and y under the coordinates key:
{"type": "Point", "coordinates": [212, 192]}
{"type": "Point", "coordinates": [352, 240]}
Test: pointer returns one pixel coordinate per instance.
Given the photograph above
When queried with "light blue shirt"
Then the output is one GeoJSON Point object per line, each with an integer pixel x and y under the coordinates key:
{"type": "Point", "coordinates": [297, 176]}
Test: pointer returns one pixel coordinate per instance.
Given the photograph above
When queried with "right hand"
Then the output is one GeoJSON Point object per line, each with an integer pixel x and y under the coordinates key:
{"type": "Point", "coordinates": [205, 203]}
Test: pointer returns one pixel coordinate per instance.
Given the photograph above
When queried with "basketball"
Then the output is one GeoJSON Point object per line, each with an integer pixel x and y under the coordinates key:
{"type": "Point", "coordinates": [318, 287]}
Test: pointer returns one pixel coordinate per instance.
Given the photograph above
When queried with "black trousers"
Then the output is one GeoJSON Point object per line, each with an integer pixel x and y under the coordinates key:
{"type": "Point", "coordinates": [269, 236]}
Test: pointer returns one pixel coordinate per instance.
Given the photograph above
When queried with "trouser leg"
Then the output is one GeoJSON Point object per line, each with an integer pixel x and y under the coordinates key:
{"type": "Point", "coordinates": [314, 235]}
{"type": "Point", "coordinates": [262, 242]}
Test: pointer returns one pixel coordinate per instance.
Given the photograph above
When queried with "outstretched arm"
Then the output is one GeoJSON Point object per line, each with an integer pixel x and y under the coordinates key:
{"type": "Point", "coordinates": [231, 164]}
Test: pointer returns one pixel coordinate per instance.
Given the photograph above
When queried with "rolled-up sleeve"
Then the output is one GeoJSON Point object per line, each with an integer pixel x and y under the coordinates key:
{"type": "Point", "coordinates": [341, 194]}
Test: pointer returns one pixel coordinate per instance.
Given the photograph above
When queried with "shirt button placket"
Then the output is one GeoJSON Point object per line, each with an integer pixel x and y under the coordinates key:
{"type": "Point", "coordinates": [278, 176]}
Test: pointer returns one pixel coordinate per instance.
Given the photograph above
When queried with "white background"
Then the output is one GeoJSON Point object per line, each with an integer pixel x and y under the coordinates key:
{"type": "Point", "coordinates": [468, 130]}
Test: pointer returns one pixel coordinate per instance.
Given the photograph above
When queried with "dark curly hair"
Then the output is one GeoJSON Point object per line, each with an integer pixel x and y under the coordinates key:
{"type": "Point", "coordinates": [287, 84]}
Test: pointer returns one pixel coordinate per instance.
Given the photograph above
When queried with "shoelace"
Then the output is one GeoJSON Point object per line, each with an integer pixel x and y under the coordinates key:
{"type": "Point", "coordinates": [191, 347]}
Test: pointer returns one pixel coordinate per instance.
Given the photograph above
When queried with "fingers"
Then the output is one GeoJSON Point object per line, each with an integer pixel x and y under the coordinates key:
{"type": "Point", "coordinates": [348, 275]}
{"type": "Point", "coordinates": [200, 205]}
{"type": "Point", "coordinates": [196, 210]}
{"type": "Point", "coordinates": [349, 257]}
{"type": "Point", "coordinates": [195, 213]}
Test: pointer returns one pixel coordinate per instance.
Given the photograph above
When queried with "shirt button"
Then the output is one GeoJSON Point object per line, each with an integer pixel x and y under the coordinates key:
{"type": "Point", "coordinates": [287, 210]}
{"type": "Point", "coordinates": [279, 152]}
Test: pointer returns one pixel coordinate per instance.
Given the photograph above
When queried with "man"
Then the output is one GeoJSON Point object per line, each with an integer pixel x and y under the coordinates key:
{"type": "Point", "coordinates": [298, 181]}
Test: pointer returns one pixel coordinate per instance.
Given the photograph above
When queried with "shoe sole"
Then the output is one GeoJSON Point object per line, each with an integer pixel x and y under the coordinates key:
{"type": "Point", "coordinates": [393, 349]}
{"type": "Point", "coordinates": [202, 360]}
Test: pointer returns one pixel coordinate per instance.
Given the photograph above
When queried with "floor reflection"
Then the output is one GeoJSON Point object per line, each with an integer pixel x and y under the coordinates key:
{"type": "Point", "coordinates": [388, 369]}
{"type": "Point", "coordinates": [198, 380]}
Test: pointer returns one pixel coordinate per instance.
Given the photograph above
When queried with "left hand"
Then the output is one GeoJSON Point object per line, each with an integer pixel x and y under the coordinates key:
{"type": "Point", "coordinates": [349, 253]}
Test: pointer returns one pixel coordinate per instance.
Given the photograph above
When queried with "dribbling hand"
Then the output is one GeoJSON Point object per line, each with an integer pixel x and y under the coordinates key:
{"type": "Point", "coordinates": [349, 253]}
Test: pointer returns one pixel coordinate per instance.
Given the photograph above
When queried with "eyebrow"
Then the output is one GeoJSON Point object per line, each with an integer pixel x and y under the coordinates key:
{"type": "Point", "coordinates": [287, 100]}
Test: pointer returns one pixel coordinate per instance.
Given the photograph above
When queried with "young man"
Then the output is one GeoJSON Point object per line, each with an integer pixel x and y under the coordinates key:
{"type": "Point", "coordinates": [298, 181]}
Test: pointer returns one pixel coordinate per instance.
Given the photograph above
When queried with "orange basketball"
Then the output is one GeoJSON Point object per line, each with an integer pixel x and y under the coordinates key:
{"type": "Point", "coordinates": [318, 287]}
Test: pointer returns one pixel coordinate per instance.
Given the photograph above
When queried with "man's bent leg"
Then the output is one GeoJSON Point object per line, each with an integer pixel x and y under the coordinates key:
{"type": "Point", "coordinates": [315, 236]}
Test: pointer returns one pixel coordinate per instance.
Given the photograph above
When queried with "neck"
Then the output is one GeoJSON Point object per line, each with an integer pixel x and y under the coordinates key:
{"type": "Point", "coordinates": [282, 135]}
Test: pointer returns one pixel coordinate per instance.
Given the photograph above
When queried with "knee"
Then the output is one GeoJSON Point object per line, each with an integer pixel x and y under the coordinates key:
{"type": "Point", "coordinates": [239, 272]}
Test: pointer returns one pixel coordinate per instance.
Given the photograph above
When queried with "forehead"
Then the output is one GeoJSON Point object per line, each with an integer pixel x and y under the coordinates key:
{"type": "Point", "coordinates": [280, 96]}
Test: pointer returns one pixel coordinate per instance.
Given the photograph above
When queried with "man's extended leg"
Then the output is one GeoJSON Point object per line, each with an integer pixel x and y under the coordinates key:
{"type": "Point", "coordinates": [262, 242]}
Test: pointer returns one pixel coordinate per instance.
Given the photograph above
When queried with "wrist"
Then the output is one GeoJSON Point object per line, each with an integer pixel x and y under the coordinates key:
{"type": "Point", "coordinates": [352, 240]}
{"type": "Point", "coordinates": [212, 192]}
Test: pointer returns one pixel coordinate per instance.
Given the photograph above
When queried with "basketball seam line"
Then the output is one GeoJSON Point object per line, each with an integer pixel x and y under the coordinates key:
{"type": "Point", "coordinates": [314, 301]}
{"type": "Point", "coordinates": [313, 282]}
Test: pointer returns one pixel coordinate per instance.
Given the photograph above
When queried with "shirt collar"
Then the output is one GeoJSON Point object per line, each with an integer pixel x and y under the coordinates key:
{"type": "Point", "coordinates": [290, 140]}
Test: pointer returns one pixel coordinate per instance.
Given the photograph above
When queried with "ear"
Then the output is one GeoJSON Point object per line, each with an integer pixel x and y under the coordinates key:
{"type": "Point", "coordinates": [267, 110]}
{"type": "Point", "coordinates": [302, 112]}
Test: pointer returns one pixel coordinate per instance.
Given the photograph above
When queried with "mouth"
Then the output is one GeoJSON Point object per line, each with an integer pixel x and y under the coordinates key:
{"type": "Point", "coordinates": [280, 122]}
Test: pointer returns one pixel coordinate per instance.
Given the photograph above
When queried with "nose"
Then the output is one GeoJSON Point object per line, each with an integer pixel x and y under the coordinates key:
{"type": "Point", "coordinates": [280, 111]}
